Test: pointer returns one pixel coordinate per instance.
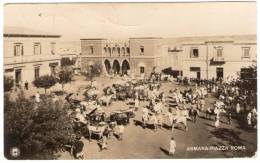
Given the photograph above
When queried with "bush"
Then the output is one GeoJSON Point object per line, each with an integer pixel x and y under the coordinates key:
{"type": "Point", "coordinates": [93, 71]}
{"type": "Point", "coordinates": [36, 130]}
{"type": "Point", "coordinates": [65, 76]}
{"type": "Point", "coordinates": [8, 83]}
{"type": "Point", "coordinates": [45, 82]}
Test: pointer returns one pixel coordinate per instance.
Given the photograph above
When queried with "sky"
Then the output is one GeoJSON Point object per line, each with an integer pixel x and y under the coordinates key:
{"type": "Point", "coordinates": [125, 20]}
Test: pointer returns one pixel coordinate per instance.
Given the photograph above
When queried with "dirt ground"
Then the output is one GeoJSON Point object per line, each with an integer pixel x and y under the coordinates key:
{"type": "Point", "coordinates": [236, 140]}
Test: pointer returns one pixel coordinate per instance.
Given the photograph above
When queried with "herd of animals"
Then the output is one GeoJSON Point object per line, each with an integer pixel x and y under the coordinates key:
{"type": "Point", "coordinates": [96, 123]}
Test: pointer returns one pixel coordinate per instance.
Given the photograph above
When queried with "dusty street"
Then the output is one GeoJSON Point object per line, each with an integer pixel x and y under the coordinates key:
{"type": "Point", "coordinates": [202, 140]}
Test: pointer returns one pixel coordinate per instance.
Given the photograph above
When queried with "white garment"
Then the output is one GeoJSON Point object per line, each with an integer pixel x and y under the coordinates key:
{"type": "Point", "coordinates": [249, 118]}
{"type": "Point", "coordinates": [217, 122]}
{"type": "Point", "coordinates": [172, 147]}
{"type": "Point", "coordinates": [37, 97]}
{"type": "Point", "coordinates": [238, 108]}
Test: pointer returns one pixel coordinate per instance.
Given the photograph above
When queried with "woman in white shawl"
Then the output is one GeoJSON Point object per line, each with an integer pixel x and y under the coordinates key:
{"type": "Point", "coordinates": [172, 146]}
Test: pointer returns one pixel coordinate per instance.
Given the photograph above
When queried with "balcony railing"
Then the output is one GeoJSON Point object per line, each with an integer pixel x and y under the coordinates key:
{"type": "Point", "coordinates": [30, 58]}
{"type": "Point", "coordinates": [218, 60]}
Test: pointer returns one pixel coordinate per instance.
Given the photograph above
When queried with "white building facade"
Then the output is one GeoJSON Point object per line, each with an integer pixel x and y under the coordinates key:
{"type": "Point", "coordinates": [28, 56]}
{"type": "Point", "coordinates": [218, 57]}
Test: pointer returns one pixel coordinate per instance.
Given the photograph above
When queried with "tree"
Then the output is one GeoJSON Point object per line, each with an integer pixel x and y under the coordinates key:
{"type": "Point", "coordinates": [8, 83]}
{"type": "Point", "coordinates": [37, 130]}
{"type": "Point", "coordinates": [45, 82]}
{"type": "Point", "coordinates": [248, 78]}
{"type": "Point", "coordinates": [67, 62]}
{"type": "Point", "coordinates": [93, 71]}
{"type": "Point", "coordinates": [65, 76]}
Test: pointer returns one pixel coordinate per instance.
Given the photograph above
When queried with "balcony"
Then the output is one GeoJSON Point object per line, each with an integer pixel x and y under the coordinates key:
{"type": "Point", "coordinates": [175, 49]}
{"type": "Point", "coordinates": [217, 60]}
{"type": "Point", "coordinates": [30, 59]}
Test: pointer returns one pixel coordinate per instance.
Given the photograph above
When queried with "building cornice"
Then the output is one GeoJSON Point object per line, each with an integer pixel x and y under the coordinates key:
{"type": "Point", "coordinates": [32, 35]}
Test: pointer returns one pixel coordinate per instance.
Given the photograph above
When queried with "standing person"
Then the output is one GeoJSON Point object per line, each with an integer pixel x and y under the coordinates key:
{"type": "Point", "coordinates": [121, 129]}
{"type": "Point", "coordinates": [160, 120]}
{"type": "Point", "coordinates": [155, 122]}
{"type": "Point", "coordinates": [37, 97]}
{"type": "Point", "coordinates": [245, 105]}
{"type": "Point", "coordinates": [249, 118]}
{"type": "Point", "coordinates": [172, 146]}
{"type": "Point", "coordinates": [20, 84]}
{"type": "Point", "coordinates": [26, 85]}
{"type": "Point", "coordinates": [238, 108]}
{"type": "Point", "coordinates": [103, 143]}
{"type": "Point", "coordinates": [78, 148]}
{"type": "Point", "coordinates": [144, 117]}
{"type": "Point", "coordinates": [229, 118]}
{"type": "Point", "coordinates": [217, 121]}
{"type": "Point", "coordinates": [136, 100]}
{"type": "Point", "coordinates": [136, 103]}
{"type": "Point", "coordinates": [202, 104]}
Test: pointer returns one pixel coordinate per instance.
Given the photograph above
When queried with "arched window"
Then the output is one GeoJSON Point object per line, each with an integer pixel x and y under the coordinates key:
{"type": "Point", "coordinates": [105, 50]}
{"type": "Point", "coordinates": [109, 51]}
{"type": "Point", "coordinates": [127, 50]}
{"type": "Point", "coordinates": [123, 50]}
{"type": "Point", "coordinates": [113, 50]}
{"type": "Point", "coordinates": [118, 51]}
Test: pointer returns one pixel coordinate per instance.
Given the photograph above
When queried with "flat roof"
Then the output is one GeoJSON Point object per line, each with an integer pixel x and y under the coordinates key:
{"type": "Point", "coordinates": [93, 39]}
{"type": "Point", "coordinates": [146, 38]}
{"type": "Point", "coordinates": [26, 32]}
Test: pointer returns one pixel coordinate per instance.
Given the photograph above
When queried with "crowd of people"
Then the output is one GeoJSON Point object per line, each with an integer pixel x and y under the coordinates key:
{"type": "Point", "coordinates": [178, 105]}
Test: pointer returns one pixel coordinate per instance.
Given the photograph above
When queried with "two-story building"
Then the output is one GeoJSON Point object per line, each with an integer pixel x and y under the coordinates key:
{"type": "Point", "coordinates": [112, 55]}
{"type": "Point", "coordinates": [133, 56]}
{"type": "Point", "coordinates": [29, 54]}
{"type": "Point", "coordinates": [218, 57]}
{"type": "Point", "coordinates": [194, 57]}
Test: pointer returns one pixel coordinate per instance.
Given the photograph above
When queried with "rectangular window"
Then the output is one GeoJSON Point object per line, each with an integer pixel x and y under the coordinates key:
{"type": "Point", "coordinates": [53, 48]}
{"type": "Point", "coordinates": [246, 52]}
{"type": "Point", "coordinates": [18, 49]}
{"type": "Point", "coordinates": [219, 52]}
{"type": "Point", "coordinates": [141, 70]}
{"type": "Point", "coordinates": [91, 50]}
{"type": "Point", "coordinates": [194, 52]}
{"type": "Point", "coordinates": [36, 72]}
{"type": "Point", "coordinates": [37, 49]}
{"type": "Point", "coordinates": [141, 50]}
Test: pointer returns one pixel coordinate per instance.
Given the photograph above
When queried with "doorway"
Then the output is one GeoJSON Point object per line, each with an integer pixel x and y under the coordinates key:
{"type": "Point", "coordinates": [18, 76]}
{"type": "Point", "coordinates": [198, 75]}
{"type": "Point", "coordinates": [220, 72]}
{"type": "Point", "coordinates": [141, 70]}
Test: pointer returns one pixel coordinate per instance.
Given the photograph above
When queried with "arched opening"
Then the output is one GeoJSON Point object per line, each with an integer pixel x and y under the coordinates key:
{"type": "Point", "coordinates": [125, 67]}
{"type": "Point", "coordinates": [107, 66]}
{"type": "Point", "coordinates": [116, 67]}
